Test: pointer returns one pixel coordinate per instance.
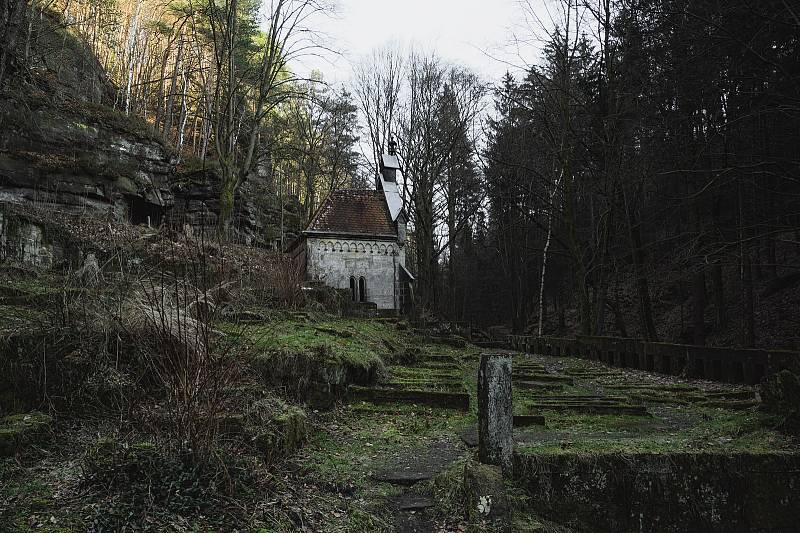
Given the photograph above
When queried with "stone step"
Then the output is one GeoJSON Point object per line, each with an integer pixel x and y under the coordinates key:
{"type": "Point", "coordinates": [454, 400]}
{"type": "Point", "coordinates": [591, 373]}
{"type": "Point", "coordinates": [438, 358]}
{"type": "Point", "coordinates": [681, 399]}
{"type": "Point", "coordinates": [438, 365]}
{"type": "Point", "coordinates": [592, 408]}
{"type": "Point", "coordinates": [423, 386]}
{"type": "Point", "coordinates": [584, 397]}
{"type": "Point", "coordinates": [469, 435]}
{"type": "Point", "coordinates": [433, 373]}
{"type": "Point", "coordinates": [515, 370]}
{"type": "Point", "coordinates": [450, 340]}
{"type": "Point", "coordinates": [538, 385]}
{"type": "Point", "coordinates": [19, 431]}
{"type": "Point", "coordinates": [601, 403]}
{"type": "Point", "coordinates": [413, 465]}
{"type": "Point", "coordinates": [521, 421]}
{"type": "Point", "coordinates": [491, 344]}
{"type": "Point", "coordinates": [410, 502]}
{"type": "Point", "coordinates": [424, 380]}
{"type": "Point", "coordinates": [735, 405]}
{"type": "Point", "coordinates": [426, 376]}
{"type": "Point", "coordinates": [579, 399]}
{"type": "Point", "coordinates": [528, 364]}
{"type": "Point", "coordinates": [529, 370]}
{"type": "Point", "coordinates": [654, 387]}
{"type": "Point", "coordinates": [731, 395]}
{"type": "Point", "coordinates": [555, 378]}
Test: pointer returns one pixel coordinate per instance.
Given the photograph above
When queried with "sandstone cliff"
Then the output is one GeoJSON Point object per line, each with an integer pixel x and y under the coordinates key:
{"type": "Point", "coordinates": [62, 144]}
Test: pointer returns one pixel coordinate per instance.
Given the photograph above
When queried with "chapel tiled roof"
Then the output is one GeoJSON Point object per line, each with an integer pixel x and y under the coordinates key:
{"type": "Point", "coordinates": [354, 211]}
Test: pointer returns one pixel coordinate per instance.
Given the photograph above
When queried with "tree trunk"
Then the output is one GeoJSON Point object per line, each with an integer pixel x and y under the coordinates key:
{"type": "Point", "coordinates": [718, 287]}
{"type": "Point", "coordinates": [748, 313]}
{"type": "Point", "coordinates": [226, 199]}
{"type": "Point", "coordinates": [168, 111]}
{"type": "Point", "coordinates": [699, 308]}
{"type": "Point", "coordinates": [642, 285]}
{"type": "Point", "coordinates": [11, 17]}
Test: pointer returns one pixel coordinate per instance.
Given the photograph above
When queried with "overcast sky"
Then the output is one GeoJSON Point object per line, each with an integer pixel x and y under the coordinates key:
{"type": "Point", "coordinates": [466, 32]}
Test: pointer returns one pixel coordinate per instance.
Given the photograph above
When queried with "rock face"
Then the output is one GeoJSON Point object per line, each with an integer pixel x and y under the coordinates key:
{"type": "Point", "coordinates": [25, 242]}
{"type": "Point", "coordinates": [63, 145]}
{"type": "Point", "coordinates": [495, 420]}
{"type": "Point", "coordinates": [97, 161]}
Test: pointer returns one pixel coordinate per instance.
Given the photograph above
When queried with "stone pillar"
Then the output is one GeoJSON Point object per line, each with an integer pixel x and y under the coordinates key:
{"type": "Point", "coordinates": [495, 417]}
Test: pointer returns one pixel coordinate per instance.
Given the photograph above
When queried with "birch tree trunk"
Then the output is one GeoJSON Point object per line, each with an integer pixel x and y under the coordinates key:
{"type": "Point", "coordinates": [545, 250]}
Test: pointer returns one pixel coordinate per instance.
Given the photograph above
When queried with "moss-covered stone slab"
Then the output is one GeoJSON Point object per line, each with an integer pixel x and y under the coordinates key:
{"type": "Point", "coordinates": [285, 434]}
{"type": "Point", "coordinates": [731, 395]}
{"type": "Point", "coordinates": [270, 425]}
{"type": "Point", "coordinates": [437, 358]}
{"type": "Point", "coordinates": [583, 397]}
{"type": "Point", "coordinates": [538, 385]}
{"type": "Point", "coordinates": [454, 400]}
{"type": "Point", "coordinates": [529, 367]}
{"type": "Point", "coordinates": [591, 408]}
{"type": "Point", "coordinates": [417, 464]}
{"type": "Point", "coordinates": [735, 405]}
{"type": "Point", "coordinates": [678, 387]}
{"type": "Point", "coordinates": [410, 502]}
{"type": "Point", "coordinates": [424, 373]}
{"type": "Point", "coordinates": [469, 435]}
{"type": "Point", "coordinates": [522, 421]}
{"type": "Point", "coordinates": [439, 365]}
{"type": "Point", "coordinates": [554, 378]}
{"type": "Point", "coordinates": [20, 430]}
{"type": "Point", "coordinates": [425, 385]}
{"type": "Point", "coordinates": [591, 373]}
{"type": "Point", "coordinates": [422, 377]}
{"type": "Point", "coordinates": [667, 398]}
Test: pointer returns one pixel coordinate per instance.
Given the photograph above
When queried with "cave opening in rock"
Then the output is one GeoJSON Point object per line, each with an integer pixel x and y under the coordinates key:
{"type": "Point", "coordinates": [143, 212]}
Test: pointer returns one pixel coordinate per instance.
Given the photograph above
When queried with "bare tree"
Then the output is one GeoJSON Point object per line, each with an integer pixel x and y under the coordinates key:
{"type": "Point", "coordinates": [443, 105]}
{"type": "Point", "coordinates": [377, 82]}
{"type": "Point", "coordinates": [243, 96]}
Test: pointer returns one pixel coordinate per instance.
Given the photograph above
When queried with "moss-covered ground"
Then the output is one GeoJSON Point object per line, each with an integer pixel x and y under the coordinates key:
{"type": "Point", "coordinates": [682, 415]}
{"type": "Point", "coordinates": [358, 342]}
{"type": "Point", "coordinates": [56, 483]}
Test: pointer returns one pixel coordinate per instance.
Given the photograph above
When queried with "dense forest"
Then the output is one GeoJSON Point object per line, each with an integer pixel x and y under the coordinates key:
{"type": "Point", "coordinates": [642, 180]}
{"type": "Point", "coordinates": [639, 179]}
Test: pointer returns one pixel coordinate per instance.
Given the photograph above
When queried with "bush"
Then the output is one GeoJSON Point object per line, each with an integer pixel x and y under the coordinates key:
{"type": "Point", "coordinates": [780, 394]}
{"type": "Point", "coordinates": [143, 479]}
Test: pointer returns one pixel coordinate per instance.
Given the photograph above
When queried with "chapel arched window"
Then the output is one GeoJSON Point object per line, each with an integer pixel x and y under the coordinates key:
{"type": "Point", "coordinates": [362, 289]}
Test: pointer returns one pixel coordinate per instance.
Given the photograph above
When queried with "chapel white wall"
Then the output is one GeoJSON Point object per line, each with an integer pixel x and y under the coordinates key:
{"type": "Point", "coordinates": [334, 261]}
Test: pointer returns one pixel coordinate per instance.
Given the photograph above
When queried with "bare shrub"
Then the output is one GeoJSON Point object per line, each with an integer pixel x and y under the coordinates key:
{"type": "Point", "coordinates": [172, 320]}
{"type": "Point", "coordinates": [276, 282]}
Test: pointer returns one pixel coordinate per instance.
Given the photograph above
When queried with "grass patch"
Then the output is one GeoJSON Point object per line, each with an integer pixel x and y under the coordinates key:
{"type": "Point", "coordinates": [353, 341]}
{"type": "Point", "coordinates": [700, 430]}
{"type": "Point", "coordinates": [365, 434]}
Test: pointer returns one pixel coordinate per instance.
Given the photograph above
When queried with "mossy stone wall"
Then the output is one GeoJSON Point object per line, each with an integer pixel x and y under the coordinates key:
{"type": "Point", "coordinates": [664, 492]}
